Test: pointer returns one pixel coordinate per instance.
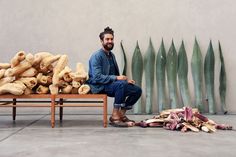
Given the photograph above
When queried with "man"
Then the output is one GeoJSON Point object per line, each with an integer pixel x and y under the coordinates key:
{"type": "Point", "coordinates": [104, 77]}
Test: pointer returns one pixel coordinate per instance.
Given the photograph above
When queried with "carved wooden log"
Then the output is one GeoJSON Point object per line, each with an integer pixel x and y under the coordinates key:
{"type": "Point", "coordinates": [42, 54]}
{"type": "Point", "coordinates": [30, 58]}
{"type": "Point", "coordinates": [12, 88]}
{"type": "Point", "coordinates": [62, 84]}
{"type": "Point", "coordinates": [29, 72]}
{"type": "Point", "coordinates": [38, 57]}
{"type": "Point", "coordinates": [50, 74]}
{"type": "Point", "coordinates": [5, 65]}
{"type": "Point", "coordinates": [19, 56]}
{"type": "Point", "coordinates": [67, 89]}
{"type": "Point", "coordinates": [64, 71]}
{"type": "Point", "coordinates": [45, 70]}
{"type": "Point", "coordinates": [20, 68]}
{"type": "Point", "coordinates": [43, 79]}
{"type": "Point", "coordinates": [37, 60]}
{"type": "Point", "coordinates": [74, 90]}
{"type": "Point", "coordinates": [76, 84]}
{"type": "Point", "coordinates": [30, 82]}
{"type": "Point", "coordinates": [20, 83]}
{"type": "Point", "coordinates": [28, 91]}
{"type": "Point", "coordinates": [54, 89]}
{"type": "Point", "coordinates": [81, 71]}
{"type": "Point", "coordinates": [45, 62]}
{"type": "Point", "coordinates": [49, 80]}
{"type": "Point", "coordinates": [42, 89]}
{"type": "Point", "coordinates": [62, 62]}
{"type": "Point", "coordinates": [84, 89]}
{"type": "Point", "coordinates": [67, 77]}
{"type": "Point", "coordinates": [78, 77]}
{"type": "Point", "coordinates": [2, 72]}
{"type": "Point", "coordinates": [6, 80]}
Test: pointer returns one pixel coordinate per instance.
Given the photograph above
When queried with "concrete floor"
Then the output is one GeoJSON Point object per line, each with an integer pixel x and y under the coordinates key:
{"type": "Point", "coordinates": [82, 135]}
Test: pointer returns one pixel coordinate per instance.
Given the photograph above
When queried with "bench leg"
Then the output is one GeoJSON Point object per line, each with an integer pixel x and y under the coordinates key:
{"type": "Point", "coordinates": [61, 110]}
{"type": "Point", "coordinates": [105, 112]}
{"type": "Point", "coordinates": [52, 111]}
{"type": "Point", "coordinates": [14, 110]}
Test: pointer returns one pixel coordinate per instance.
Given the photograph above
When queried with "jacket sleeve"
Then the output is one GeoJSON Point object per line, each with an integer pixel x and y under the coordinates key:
{"type": "Point", "coordinates": [97, 71]}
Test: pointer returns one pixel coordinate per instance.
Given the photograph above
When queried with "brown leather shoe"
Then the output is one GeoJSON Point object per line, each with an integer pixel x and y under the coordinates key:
{"type": "Point", "coordinates": [117, 122]}
{"type": "Point", "coordinates": [126, 119]}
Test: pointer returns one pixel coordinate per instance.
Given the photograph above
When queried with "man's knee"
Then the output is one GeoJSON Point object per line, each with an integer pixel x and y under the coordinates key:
{"type": "Point", "coordinates": [139, 91]}
{"type": "Point", "coordinates": [122, 83]}
{"type": "Point", "coordinates": [135, 90]}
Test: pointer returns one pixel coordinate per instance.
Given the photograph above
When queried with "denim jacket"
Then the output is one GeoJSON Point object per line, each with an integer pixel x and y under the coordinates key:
{"type": "Point", "coordinates": [99, 68]}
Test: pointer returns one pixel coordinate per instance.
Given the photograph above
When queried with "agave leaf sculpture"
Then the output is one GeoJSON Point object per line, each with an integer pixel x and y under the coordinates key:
{"type": "Point", "coordinates": [149, 75]}
{"type": "Point", "coordinates": [197, 74]}
{"type": "Point", "coordinates": [209, 69]}
{"type": "Point", "coordinates": [183, 75]}
{"type": "Point", "coordinates": [137, 73]}
{"type": "Point", "coordinates": [161, 77]}
{"type": "Point", "coordinates": [124, 71]}
{"type": "Point", "coordinates": [171, 67]}
{"type": "Point", "coordinates": [223, 85]}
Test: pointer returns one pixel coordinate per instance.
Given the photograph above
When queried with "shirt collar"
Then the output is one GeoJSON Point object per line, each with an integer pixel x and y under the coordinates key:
{"type": "Point", "coordinates": [107, 54]}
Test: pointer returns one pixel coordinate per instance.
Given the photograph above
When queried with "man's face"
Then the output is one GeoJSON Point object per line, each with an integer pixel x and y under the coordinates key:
{"type": "Point", "coordinates": [107, 42]}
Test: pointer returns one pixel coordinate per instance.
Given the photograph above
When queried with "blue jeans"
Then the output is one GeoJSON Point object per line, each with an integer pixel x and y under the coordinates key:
{"type": "Point", "coordinates": [125, 94]}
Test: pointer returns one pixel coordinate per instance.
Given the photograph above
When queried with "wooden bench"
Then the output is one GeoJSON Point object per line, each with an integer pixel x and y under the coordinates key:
{"type": "Point", "coordinates": [53, 101]}
{"type": "Point", "coordinates": [77, 100]}
{"type": "Point", "coordinates": [15, 101]}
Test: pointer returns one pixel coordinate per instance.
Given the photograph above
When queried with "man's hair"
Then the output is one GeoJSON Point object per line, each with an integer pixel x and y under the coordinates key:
{"type": "Point", "coordinates": [107, 30]}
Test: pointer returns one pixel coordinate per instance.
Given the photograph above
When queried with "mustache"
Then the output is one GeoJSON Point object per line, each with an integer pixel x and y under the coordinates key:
{"type": "Point", "coordinates": [110, 44]}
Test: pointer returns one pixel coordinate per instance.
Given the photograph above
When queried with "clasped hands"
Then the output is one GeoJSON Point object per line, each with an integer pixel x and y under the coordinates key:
{"type": "Point", "coordinates": [123, 77]}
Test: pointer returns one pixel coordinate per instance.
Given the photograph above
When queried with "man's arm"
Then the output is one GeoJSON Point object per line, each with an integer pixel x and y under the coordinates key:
{"type": "Point", "coordinates": [96, 66]}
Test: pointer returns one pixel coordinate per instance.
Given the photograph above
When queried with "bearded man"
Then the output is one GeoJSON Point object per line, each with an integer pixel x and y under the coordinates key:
{"type": "Point", "coordinates": [104, 78]}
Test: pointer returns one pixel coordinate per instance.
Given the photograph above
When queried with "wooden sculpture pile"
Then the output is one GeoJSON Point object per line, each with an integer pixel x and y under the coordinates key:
{"type": "Point", "coordinates": [183, 119]}
{"type": "Point", "coordinates": [41, 73]}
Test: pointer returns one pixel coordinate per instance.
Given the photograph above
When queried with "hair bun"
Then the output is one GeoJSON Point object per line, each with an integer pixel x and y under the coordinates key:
{"type": "Point", "coordinates": [107, 29]}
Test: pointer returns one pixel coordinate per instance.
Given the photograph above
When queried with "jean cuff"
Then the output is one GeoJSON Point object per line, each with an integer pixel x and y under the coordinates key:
{"type": "Point", "coordinates": [127, 107]}
{"type": "Point", "coordinates": [119, 105]}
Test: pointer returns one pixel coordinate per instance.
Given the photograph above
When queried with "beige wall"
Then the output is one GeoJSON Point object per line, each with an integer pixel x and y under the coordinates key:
{"type": "Point", "coordinates": [72, 27]}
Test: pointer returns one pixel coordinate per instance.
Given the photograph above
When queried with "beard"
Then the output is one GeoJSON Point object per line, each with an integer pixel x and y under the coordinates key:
{"type": "Point", "coordinates": [108, 46]}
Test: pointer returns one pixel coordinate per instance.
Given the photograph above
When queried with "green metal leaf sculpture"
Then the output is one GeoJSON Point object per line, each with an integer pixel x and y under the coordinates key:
{"type": "Point", "coordinates": [124, 71]}
{"type": "Point", "coordinates": [197, 73]}
{"type": "Point", "coordinates": [171, 67]}
{"type": "Point", "coordinates": [183, 75]}
{"type": "Point", "coordinates": [222, 88]}
{"type": "Point", "coordinates": [209, 69]}
{"type": "Point", "coordinates": [149, 75]}
{"type": "Point", "coordinates": [137, 73]}
{"type": "Point", "coordinates": [161, 77]}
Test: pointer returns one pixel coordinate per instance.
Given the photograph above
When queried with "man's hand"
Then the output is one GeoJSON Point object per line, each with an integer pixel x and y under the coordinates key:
{"type": "Point", "coordinates": [131, 81]}
{"type": "Point", "coordinates": [121, 77]}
